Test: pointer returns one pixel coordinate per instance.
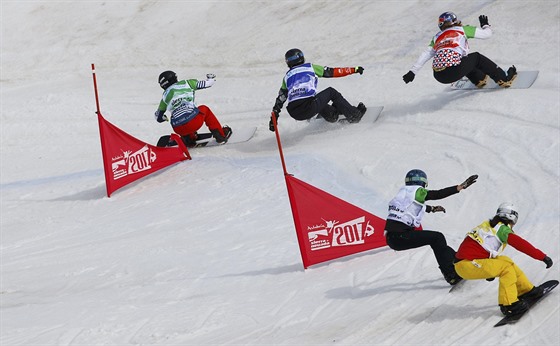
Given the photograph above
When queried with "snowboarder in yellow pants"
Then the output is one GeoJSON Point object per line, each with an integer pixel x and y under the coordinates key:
{"type": "Point", "coordinates": [480, 257]}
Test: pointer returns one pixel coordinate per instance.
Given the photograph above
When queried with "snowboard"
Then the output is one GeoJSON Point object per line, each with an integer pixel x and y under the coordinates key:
{"type": "Point", "coordinates": [547, 287]}
{"type": "Point", "coordinates": [523, 80]}
{"type": "Point", "coordinates": [371, 115]}
{"type": "Point", "coordinates": [238, 135]}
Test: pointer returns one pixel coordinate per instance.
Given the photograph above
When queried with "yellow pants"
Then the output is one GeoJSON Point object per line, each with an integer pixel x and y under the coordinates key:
{"type": "Point", "coordinates": [513, 281]}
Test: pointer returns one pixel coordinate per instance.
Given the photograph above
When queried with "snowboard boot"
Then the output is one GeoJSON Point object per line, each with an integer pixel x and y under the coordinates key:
{"type": "Point", "coordinates": [358, 116]}
{"type": "Point", "coordinates": [227, 131]}
{"type": "Point", "coordinates": [514, 309]}
{"type": "Point", "coordinates": [330, 114]}
{"type": "Point", "coordinates": [481, 84]}
{"type": "Point", "coordinates": [362, 107]}
{"type": "Point", "coordinates": [511, 75]}
{"type": "Point", "coordinates": [535, 293]}
{"type": "Point", "coordinates": [190, 140]}
{"type": "Point", "coordinates": [450, 275]}
{"type": "Point", "coordinates": [452, 279]}
{"type": "Point", "coordinates": [218, 136]}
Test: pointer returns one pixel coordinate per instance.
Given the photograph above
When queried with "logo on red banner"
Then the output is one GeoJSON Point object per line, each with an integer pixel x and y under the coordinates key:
{"type": "Point", "coordinates": [333, 233]}
{"type": "Point", "coordinates": [133, 162]}
{"type": "Point", "coordinates": [328, 227]}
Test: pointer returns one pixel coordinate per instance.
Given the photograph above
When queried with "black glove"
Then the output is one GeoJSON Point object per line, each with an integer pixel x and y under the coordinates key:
{"type": "Point", "coordinates": [548, 262]}
{"type": "Point", "coordinates": [160, 116]}
{"type": "Point", "coordinates": [470, 180]}
{"type": "Point", "coordinates": [483, 20]}
{"type": "Point", "coordinates": [359, 70]}
{"type": "Point", "coordinates": [271, 122]}
{"type": "Point", "coordinates": [437, 208]}
{"type": "Point", "coordinates": [409, 77]}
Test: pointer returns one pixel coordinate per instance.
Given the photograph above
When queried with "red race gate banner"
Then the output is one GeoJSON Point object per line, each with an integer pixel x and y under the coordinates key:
{"type": "Point", "coordinates": [328, 227]}
{"type": "Point", "coordinates": [127, 159]}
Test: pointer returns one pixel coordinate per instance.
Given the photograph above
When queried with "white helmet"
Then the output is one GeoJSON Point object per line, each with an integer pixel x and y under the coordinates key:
{"type": "Point", "coordinates": [507, 211]}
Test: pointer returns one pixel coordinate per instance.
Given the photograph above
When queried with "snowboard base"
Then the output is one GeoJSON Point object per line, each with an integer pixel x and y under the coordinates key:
{"type": "Point", "coordinates": [371, 115]}
{"type": "Point", "coordinates": [547, 287]}
{"type": "Point", "coordinates": [523, 80]}
{"type": "Point", "coordinates": [238, 135]}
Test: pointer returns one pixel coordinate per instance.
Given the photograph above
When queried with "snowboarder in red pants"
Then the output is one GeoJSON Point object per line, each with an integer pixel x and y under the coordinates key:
{"type": "Point", "coordinates": [186, 117]}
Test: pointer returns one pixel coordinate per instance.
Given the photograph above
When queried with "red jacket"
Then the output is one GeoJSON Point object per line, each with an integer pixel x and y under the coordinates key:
{"type": "Point", "coordinates": [470, 249]}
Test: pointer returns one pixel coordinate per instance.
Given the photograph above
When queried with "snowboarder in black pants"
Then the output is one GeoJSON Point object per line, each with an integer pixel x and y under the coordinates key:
{"type": "Point", "coordinates": [406, 211]}
{"type": "Point", "coordinates": [451, 59]}
{"type": "Point", "coordinates": [299, 88]}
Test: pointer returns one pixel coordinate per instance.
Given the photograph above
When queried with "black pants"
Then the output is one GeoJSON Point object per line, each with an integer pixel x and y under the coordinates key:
{"type": "Point", "coordinates": [406, 240]}
{"type": "Point", "coordinates": [475, 67]}
{"type": "Point", "coordinates": [321, 104]}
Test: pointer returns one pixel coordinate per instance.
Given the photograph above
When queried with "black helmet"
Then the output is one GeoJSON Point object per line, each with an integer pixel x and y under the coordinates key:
{"type": "Point", "coordinates": [166, 79]}
{"type": "Point", "coordinates": [416, 177]}
{"type": "Point", "coordinates": [294, 57]}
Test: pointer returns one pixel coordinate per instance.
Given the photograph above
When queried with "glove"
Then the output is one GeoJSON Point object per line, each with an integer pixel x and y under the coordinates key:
{"type": "Point", "coordinates": [470, 180]}
{"type": "Point", "coordinates": [548, 261]}
{"type": "Point", "coordinates": [359, 70]}
{"type": "Point", "coordinates": [271, 122]}
{"type": "Point", "coordinates": [210, 76]}
{"type": "Point", "coordinates": [409, 77]}
{"type": "Point", "coordinates": [437, 208]}
{"type": "Point", "coordinates": [483, 20]}
{"type": "Point", "coordinates": [160, 116]}
{"type": "Point", "coordinates": [490, 279]}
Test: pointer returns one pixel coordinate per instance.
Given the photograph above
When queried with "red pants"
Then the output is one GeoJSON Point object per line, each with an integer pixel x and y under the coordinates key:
{"type": "Point", "coordinates": [205, 116]}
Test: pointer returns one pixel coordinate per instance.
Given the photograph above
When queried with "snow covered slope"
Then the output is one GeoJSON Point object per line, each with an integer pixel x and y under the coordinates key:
{"type": "Point", "coordinates": [205, 252]}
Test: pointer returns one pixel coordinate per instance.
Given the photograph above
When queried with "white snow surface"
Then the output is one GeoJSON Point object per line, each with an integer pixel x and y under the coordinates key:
{"type": "Point", "coordinates": [205, 252]}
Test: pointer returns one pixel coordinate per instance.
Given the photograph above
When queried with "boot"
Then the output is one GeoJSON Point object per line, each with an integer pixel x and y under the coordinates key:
{"type": "Point", "coordinates": [535, 293]}
{"type": "Point", "coordinates": [362, 108]}
{"type": "Point", "coordinates": [514, 309]}
{"type": "Point", "coordinates": [358, 116]}
{"type": "Point", "coordinates": [218, 136]}
{"type": "Point", "coordinates": [452, 279]}
{"type": "Point", "coordinates": [330, 114]}
{"type": "Point", "coordinates": [227, 131]}
{"type": "Point", "coordinates": [481, 84]}
{"type": "Point", "coordinates": [190, 139]}
{"type": "Point", "coordinates": [511, 75]}
{"type": "Point", "coordinates": [450, 275]}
